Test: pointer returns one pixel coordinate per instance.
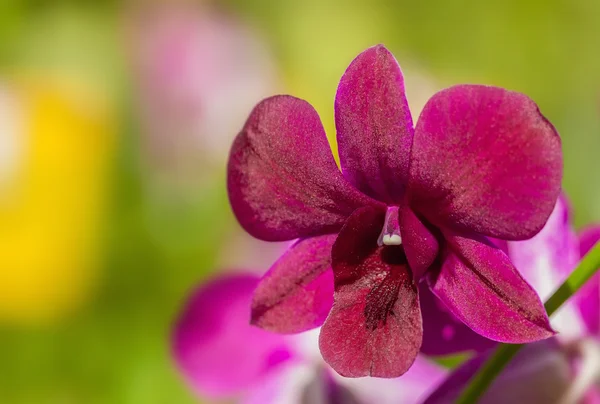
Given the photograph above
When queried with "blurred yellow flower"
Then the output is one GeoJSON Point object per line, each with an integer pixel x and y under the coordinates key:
{"type": "Point", "coordinates": [55, 145]}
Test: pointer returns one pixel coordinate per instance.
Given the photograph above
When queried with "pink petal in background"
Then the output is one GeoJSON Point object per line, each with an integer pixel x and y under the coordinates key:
{"type": "Point", "coordinates": [217, 351]}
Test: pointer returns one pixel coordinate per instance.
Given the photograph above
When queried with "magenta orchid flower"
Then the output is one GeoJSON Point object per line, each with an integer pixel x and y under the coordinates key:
{"type": "Point", "coordinates": [409, 203]}
{"type": "Point", "coordinates": [565, 369]}
{"type": "Point", "coordinates": [222, 356]}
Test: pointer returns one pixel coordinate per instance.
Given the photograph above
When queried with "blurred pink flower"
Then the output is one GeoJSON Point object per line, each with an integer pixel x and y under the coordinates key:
{"type": "Point", "coordinates": [222, 356]}
{"type": "Point", "coordinates": [198, 72]}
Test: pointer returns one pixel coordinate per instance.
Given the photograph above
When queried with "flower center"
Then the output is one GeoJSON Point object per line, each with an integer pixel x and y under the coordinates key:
{"type": "Point", "coordinates": [390, 234]}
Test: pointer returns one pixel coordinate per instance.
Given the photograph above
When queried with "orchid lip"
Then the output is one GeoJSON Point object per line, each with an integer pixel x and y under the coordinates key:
{"type": "Point", "coordinates": [390, 234]}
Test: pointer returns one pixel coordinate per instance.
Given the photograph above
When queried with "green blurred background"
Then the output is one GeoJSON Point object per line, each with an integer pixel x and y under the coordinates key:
{"type": "Point", "coordinates": [115, 120]}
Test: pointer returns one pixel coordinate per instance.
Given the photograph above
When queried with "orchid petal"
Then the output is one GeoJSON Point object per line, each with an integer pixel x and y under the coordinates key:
{"type": "Point", "coordinates": [539, 374]}
{"type": "Point", "coordinates": [219, 353]}
{"type": "Point", "coordinates": [479, 285]}
{"type": "Point", "coordinates": [588, 297]}
{"type": "Point", "coordinates": [443, 333]}
{"type": "Point", "coordinates": [588, 238]}
{"type": "Point", "coordinates": [420, 244]}
{"type": "Point", "coordinates": [374, 125]}
{"type": "Point", "coordinates": [501, 244]}
{"type": "Point", "coordinates": [282, 180]}
{"type": "Point", "coordinates": [485, 159]}
{"type": "Point", "coordinates": [592, 396]}
{"type": "Point", "coordinates": [374, 328]}
{"type": "Point", "coordinates": [296, 294]}
{"type": "Point", "coordinates": [547, 259]}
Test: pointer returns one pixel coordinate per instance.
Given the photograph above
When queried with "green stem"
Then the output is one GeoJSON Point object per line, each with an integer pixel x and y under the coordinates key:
{"type": "Point", "coordinates": [584, 271]}
{"type": "Point", "coordinates": [505, 352]}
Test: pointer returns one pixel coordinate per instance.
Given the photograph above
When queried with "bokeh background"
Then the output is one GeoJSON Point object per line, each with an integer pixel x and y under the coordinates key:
{"type": "Point", "coordinates": [115, 123]}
